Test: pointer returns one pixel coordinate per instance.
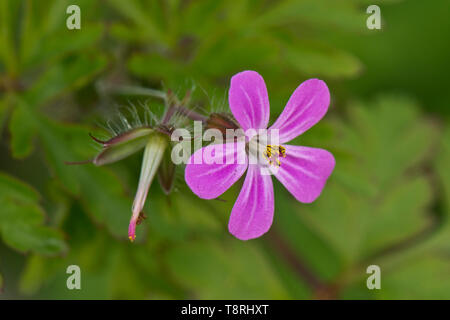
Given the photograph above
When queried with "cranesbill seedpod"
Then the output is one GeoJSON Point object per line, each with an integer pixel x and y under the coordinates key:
{"type": "Point", "coordinates": [153, 154]}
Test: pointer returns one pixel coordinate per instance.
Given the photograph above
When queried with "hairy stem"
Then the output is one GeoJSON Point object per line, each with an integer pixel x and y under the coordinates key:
{"type": "Point", "coordinates": [188, 113]}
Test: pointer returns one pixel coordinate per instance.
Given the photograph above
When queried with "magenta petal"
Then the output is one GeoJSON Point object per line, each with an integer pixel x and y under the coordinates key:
{"type": "Point", "coordinates": [209, 180]}
{"type": "Point", "coordinates": [252, 214]}
{"type": "Point", "coordinates": [304, 171]}
{"type": "Point", "coordinates": [306, 106]}
{"type": "Point", "coordinates": [249, 101]}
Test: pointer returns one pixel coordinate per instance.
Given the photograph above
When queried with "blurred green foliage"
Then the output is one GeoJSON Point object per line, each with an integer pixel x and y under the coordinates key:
{"type": "Point", "coordinates": [387, 202]}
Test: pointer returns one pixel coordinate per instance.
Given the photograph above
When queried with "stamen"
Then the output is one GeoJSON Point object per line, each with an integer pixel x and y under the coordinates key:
{"type": "Point", "coordinates": [273, 153]}
{"type": "Point", "coordinates": [282, 151]}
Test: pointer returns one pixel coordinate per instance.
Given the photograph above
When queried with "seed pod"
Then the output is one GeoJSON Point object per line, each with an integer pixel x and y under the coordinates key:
{"type": "Point", "coordinates": [153, 154]}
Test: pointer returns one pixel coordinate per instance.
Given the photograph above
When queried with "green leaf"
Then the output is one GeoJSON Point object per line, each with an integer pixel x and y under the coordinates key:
{"type": "Point", "coordinates": [11, 187]}
{"type": "Point", "coordinates": [243, 270]}
{"type": "Point", "coordinates": [64, 77]}
{"type": "Point", "coordinates": [376, 207]}
{"type": "Point", "coordinates": [23, 125]}
{"type": "Point", "coordinates": [100, 192]}
{"type": "Point", "coordinates": [170, 219]}
{"type": "Point", "coordinates": [385, 139]}
{"type": "Point", "coordinates": [21, 220]}
{"type": "Point", "coordinates": [422, 277]}
{"type": "Point", "coordinates": [406, 276]}
{"type": "Point", "coordinates": [419, 270]}
{"type": "Point", "coordinates": [201, 16]}
{"type": "Point", "coordinates": [25, 237]}
{"type": "Point", "coordinates": [8, 55]}
{"type": "Point", "coordinates": [5, 108]}
{"type": "Point", "coordinates": [63, 42]}
{"type": "Point", "coordinates": [316, 59]}
{"type": "Point", "coordinates": [235, 58]}
{"type": "Point", "coordinates": [155, 65]}
{"type": "Point", "coordinates": [318, 13]}
{"type": "Point", "coordinates": [442, 167]}
{"type": "Point", "coordinates": [402, 213]}
{"type": "Point", "coordinates": [34, 274]}
{"type": "Point", "coordinates": [309, 245]}
{"type": "Point", "coordinates": [22, 131]}
{"type": "Point", "coordinates": [134, 12]}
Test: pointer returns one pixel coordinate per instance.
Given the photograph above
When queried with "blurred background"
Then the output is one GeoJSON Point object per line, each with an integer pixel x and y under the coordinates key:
{"type": "Point", "coordinates": [386, 204]}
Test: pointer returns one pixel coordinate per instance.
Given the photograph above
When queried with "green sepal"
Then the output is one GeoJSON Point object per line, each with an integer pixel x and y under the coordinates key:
{"type": "Point", "coordinates": [166, 172]}
{"type": "Point", "coordinates": [123, 145]}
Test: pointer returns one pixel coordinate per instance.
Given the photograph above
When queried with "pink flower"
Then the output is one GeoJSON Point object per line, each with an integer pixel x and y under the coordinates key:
{"type": "Point", "coordinates": [302, 170]}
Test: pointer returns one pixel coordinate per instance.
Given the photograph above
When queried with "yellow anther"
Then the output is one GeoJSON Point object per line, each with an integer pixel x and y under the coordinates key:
{"type": "Point", "coordinates": [269, 151]}
{"type": "Point", "coordinates": [272, 154]}
{"type": "Point", "coordinates": [282, 151]}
